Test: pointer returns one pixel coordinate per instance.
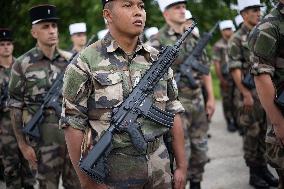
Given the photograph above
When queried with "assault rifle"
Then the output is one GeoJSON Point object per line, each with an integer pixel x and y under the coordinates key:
{"type": "Point", "coordinates": [192, 61]}
{"type": "Point", "coordinates": [4, 94]}
{"type": "Point", "coordinates": [50, 101]}
{"type": "Point", "coordinates": [137, 104]}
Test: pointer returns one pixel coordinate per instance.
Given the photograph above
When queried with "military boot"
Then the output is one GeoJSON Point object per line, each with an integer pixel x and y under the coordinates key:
{"type": "Point", "coordinates": [231, 126]}
{"type": "Point", "coordinates": [26, 186]}
{"type": "Point", "coordinates": [195, 185]}
{"type": "Point", "coordinates": [256, 179]}
{"type": "Point", "coordinates": [268, 177]}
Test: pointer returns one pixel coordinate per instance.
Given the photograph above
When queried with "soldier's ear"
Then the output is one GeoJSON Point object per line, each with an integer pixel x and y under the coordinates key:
{"type": "Point", "coordinates": [33, 32]}
{"type": "Point", "coordinates": [107, 15]}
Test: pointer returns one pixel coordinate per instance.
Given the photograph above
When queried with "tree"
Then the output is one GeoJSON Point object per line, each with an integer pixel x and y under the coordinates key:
{"type": "Point", "coordinates": [90, 11]}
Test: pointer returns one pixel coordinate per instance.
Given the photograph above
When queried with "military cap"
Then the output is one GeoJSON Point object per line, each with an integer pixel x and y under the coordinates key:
{"type": "Point", "coordinates": [102, 33]}
{"type": "Point", "coordinates": [239, 20]}
{"type": "Point", "coordinates": [151, 31]}
{"type": "Point", "coordinates": [188, 15]}
{"type": "Point", "coordinates": [77, 28]}
{"type": "Point", "coordinates": [245, 4]}
{"type": "Point", "coordinates": [41, 13]}
{"type": "Point", "coordinates": [5, 34]}
{"type": "Point", "coordinates": [164, 4]}
{"type": "Point", "coordinates": [227, 24]}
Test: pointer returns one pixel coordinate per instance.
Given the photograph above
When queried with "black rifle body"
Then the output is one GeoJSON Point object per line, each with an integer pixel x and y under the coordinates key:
{"type": "Point", "coordinates": [192, 61]}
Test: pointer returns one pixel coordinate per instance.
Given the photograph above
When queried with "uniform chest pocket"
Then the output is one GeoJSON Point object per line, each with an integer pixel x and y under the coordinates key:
{"type": "Point", "coordinates": [108, 89]}
{"type": "Point", "coordinates": [36, 81]}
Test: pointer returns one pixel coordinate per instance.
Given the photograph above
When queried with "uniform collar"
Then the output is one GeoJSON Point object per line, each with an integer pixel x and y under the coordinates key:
{"type": "Point", "coordinates": [112, 45]}
{"type": "Point", "coordinates": [171, 30]}
{"type": "Point", "coordinates": [245, 28]}
{"type": "Point", "coordinates": [39, 54]}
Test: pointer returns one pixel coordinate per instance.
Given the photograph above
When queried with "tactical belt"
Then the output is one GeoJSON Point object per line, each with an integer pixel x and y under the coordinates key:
{"type": "Point", "coordinates": [131, 150]}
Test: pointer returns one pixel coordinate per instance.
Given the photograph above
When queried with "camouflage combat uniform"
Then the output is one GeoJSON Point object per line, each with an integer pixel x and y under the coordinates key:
{"type": "Point", "coordinates": [194, 119]}
{"type": "Point", "coordinates": [267, 44]}
{"type": "Point", "coordinates": [31, 77]}
{"type": "Point", "coordinates": [16, 169]}
{"type": "Point", "coordinates": [253, 122]}
{"type": "Point", "coordinates": [221, 55]}
{"type": "Point", "coordinates": [98, 81]}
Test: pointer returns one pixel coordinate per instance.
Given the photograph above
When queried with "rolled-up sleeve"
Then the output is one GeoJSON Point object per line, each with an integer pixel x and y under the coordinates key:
{"type": "Point", "coordinates": [173, 105]}
{"type": "Point", "coordinates": [235, 55]}
{"type": "Point", "coordinates": [16, 86]}
{"type": "Point", "coordinates": [76, 91]}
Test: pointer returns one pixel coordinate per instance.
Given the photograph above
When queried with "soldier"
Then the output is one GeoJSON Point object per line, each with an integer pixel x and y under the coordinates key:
{"type": "Point", "coordinates": [121, 59]}
{"type": "Point", "coordinates": [197, 113]}
{"type": "Point", "coordinates": [267, 44]}
{"type": "Point", "coordinates": [78, 36]}
{"type": "Point", "coordinates": [251, 114]}
{"type": "Point", "coordinates": [32, 76]}
{"type": "Point", "coordinates": [220, 59]}
{"type": "Point", "coordinates": [17, 172]}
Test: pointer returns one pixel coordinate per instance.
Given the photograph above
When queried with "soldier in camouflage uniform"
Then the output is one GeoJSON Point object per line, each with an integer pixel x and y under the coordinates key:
{"type": "Point", "coordinates": [251, 114]}
{"type": "Point", "coordinates": [31, 77]}
{"type": "Point", "coordinates": [220, 59]}
{"type": "Point", "coordinates": [78, 36]}
{"type": "Point", "coordinates": [267, 44]}
{"type": "Point", "coordinates": [17, 172]}
{"type": "Point", "coordinates": [99, 80]}
{"type": "Point", "coordinates": [197, 111]}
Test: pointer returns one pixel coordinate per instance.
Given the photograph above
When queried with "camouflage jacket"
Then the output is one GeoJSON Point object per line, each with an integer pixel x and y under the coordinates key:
{"type": "Point", "coordinates": [167, 36]}
{"type": "Point", "coordinates": [221, 55]}
{"type": "Point", "coordinates": [267, 44]}
{"type": "Point", "coordinates": [32, 76]}
{"type": "Point", "coordinates": [101, 78]}
{"type": "Point", "coordinates": [239, 53]}
{"type": "Point", "coordinates": [4, 80]}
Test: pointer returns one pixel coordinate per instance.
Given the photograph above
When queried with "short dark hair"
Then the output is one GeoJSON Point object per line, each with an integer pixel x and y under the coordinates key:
{"type": "Point", "coordinates": [109, 5]}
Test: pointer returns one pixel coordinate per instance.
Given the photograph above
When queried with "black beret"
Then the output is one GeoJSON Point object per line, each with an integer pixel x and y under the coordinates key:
{"type": "Point", "coordinates": [41, 13]}
{"type": "Point", "coordinates": [5, 34]}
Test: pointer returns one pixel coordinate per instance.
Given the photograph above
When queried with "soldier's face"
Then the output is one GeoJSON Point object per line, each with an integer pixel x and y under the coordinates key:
{"type": "Point", "coordinates": [6, 48]}
{"type": "Point", "coordinates": [126, 17]}
{"type": "Point", "coordinates": [252, 16]}
{"type": "Point", "coordinates": [79, 39]}
{"type": "Point", "coordinates": [176, 13]}
{"type": "Point", "coordinates": [46, 33]}
{"type": "Point", "coordinates": [227, 33]}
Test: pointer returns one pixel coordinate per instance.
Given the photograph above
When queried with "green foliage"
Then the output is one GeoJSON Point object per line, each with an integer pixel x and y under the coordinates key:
{"type": "Point", "coordinates": [90, 11]}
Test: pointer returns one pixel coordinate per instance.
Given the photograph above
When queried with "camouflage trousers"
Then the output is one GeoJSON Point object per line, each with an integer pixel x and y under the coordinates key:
{"type": "Point", "coordinates": [254, 125]}
{"type": "Point", "coordinates": [196, 127]}
{"type": "Point", "coordinates": [140, 171]}
{"type": "Point", "coordinates": [53, 162]}
{"type": "Point", "coordinates": [275, 157]}
{"type": "Point", "coordinates": [16, 169]}
{"type": "Point", "coordinates": [227, 99]}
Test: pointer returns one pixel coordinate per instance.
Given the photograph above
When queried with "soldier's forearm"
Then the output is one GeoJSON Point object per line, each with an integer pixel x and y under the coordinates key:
{"type": "Point", "coordinates": [218, 69]}
{"type": "Point", "coordinates": [16, 119]}
{"type": "Point", "coordinates": [266, 93]}
{"type": "Point", "coordinates": [207, 79]}
{"type": "Point", "coordinates": [178, 143]}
